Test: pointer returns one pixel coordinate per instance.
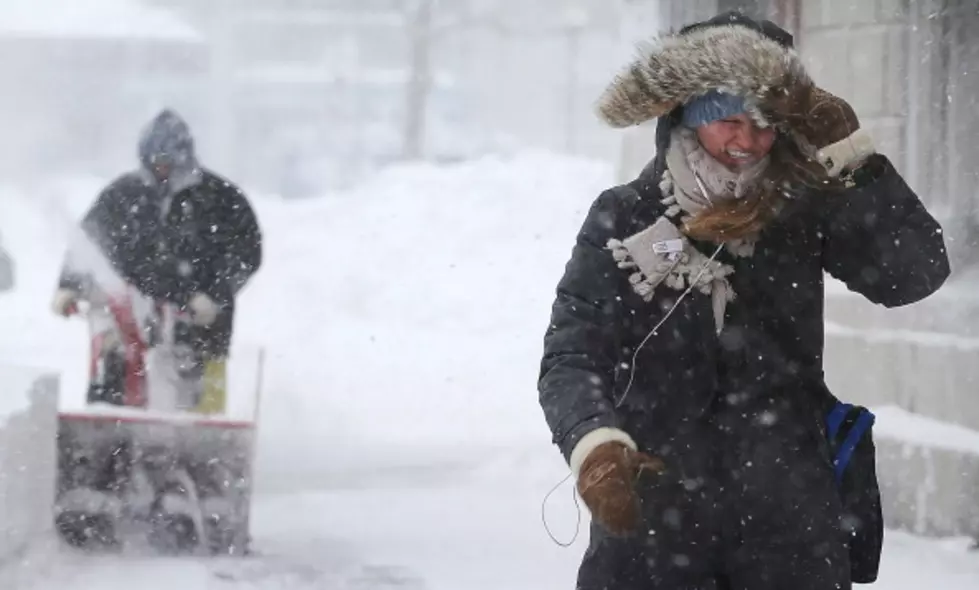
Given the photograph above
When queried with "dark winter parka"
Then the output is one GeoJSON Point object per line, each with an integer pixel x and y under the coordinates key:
{"type": "Point", "coordinates": [173, 242]}
{"type": "Point", "coordinates": [748, 499]}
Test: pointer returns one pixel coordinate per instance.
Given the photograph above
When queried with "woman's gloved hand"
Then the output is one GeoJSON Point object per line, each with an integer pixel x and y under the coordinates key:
{"type": "Point", "coordinates": [65, 302]}
{"type": "Point", "coordinates": [828, 124]}
{"type": "Point", "coordinates": [607, 479]}
{"type": "Point", "coordinates": [204, 310]}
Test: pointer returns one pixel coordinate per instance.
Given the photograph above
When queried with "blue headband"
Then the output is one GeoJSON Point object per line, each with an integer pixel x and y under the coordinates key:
{"type": "Point", "coordinates": [711, 107]}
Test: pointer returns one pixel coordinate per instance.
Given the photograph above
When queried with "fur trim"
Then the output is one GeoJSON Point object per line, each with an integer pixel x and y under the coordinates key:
{"type": "Point", "coordinates": [847, 153]}
{"type": "Point", "coordinates": [676, 68]}
{"type": "Point", "coordinates": [595, 439]}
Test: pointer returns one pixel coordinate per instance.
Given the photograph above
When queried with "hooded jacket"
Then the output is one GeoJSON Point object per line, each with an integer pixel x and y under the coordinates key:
{"type": "Point", "coordinates": [737, 416]}
{"type": "Point", "coordinates": [195, 232]}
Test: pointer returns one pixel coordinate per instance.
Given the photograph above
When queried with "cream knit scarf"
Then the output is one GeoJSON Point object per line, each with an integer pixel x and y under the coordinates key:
{"type": "Point", "coordinates": [661, 254]}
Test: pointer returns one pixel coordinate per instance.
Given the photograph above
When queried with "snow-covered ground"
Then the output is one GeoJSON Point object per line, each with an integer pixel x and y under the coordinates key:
{"type": "Point", "coordinates": [462, 533]}
{"type": "Point", "coordinates": [401, 445]}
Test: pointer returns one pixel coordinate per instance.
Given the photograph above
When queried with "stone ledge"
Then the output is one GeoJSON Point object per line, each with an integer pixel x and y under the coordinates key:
{"type": "Point", "coordinates": [928, 473]}
{"type": "Point", "coordinates": [928, 491]}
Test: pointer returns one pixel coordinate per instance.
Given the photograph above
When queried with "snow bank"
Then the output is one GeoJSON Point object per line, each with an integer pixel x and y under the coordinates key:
{"type": "Point", "coordinates": [27, 457]}
{"type": "Point", "coordinates": [408, 314]}
{"type": "Point", "coordinates": [92, 19]}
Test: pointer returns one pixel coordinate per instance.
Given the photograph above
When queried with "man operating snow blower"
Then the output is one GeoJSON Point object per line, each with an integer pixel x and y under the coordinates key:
{"type": "Point", "coordinates": [180, 235]}
{"type": "Point", "coordinates": [157, 265]}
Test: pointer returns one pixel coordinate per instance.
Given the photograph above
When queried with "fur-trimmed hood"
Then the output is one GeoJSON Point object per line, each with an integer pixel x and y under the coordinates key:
{"type": "Point", "coordinates": [729, 53]}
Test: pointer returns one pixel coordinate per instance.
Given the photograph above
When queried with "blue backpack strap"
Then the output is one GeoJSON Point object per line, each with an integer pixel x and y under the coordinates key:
{"type": "Point", "coordinates": [864, 421]}
{"type": "Point", "coordinates": [836, 417]}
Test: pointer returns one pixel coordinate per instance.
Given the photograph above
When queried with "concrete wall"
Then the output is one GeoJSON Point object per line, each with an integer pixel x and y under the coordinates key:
{"type": "Point", "coordinates": [928, 373]}
{"type": "Point", "coordinates": [27, 460]}
{"type": "Point", "coordinates": [927, 489]}
{"type": "Point", "coordinates": [858, 50]}
{"type": "Point", "coordinates": [911, 73]}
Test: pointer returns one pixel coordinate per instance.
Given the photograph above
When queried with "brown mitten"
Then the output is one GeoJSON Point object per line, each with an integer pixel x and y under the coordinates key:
{"type": "Point", "coordinates": [607, 484]}
{"type": "Point", "coordinates": [828, 119]}
{"type": "Point", "coordinates": [825, 125]}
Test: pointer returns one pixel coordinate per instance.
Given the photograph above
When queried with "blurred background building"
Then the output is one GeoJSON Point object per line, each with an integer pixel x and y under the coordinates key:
{"type": "Point", "coordinates": [298, 96]}
{"type": "Point", "coordinates": [78, 76]}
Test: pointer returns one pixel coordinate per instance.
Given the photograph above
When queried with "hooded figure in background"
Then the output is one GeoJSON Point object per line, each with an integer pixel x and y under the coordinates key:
{"type": "Point", "coordinates": [177, 232]}
{"type": "Point", "coordinates": [682, 374]}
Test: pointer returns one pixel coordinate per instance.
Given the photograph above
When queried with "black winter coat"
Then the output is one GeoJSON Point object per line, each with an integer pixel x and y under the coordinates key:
{"type": "Point", "coordinates": [207, 240]}
{"type": "Point", "coordinates": [738, 417]}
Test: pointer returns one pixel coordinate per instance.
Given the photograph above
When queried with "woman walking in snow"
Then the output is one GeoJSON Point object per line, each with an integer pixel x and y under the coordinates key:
{"type": "Point", "coordinates": [682, 372]}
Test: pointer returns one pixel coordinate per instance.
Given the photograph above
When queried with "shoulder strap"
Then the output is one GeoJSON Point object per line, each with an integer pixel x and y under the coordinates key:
{"type": "Point", "coordinates": [835, 419]}
{"type": "Point", "coordinates": [864, 421]}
